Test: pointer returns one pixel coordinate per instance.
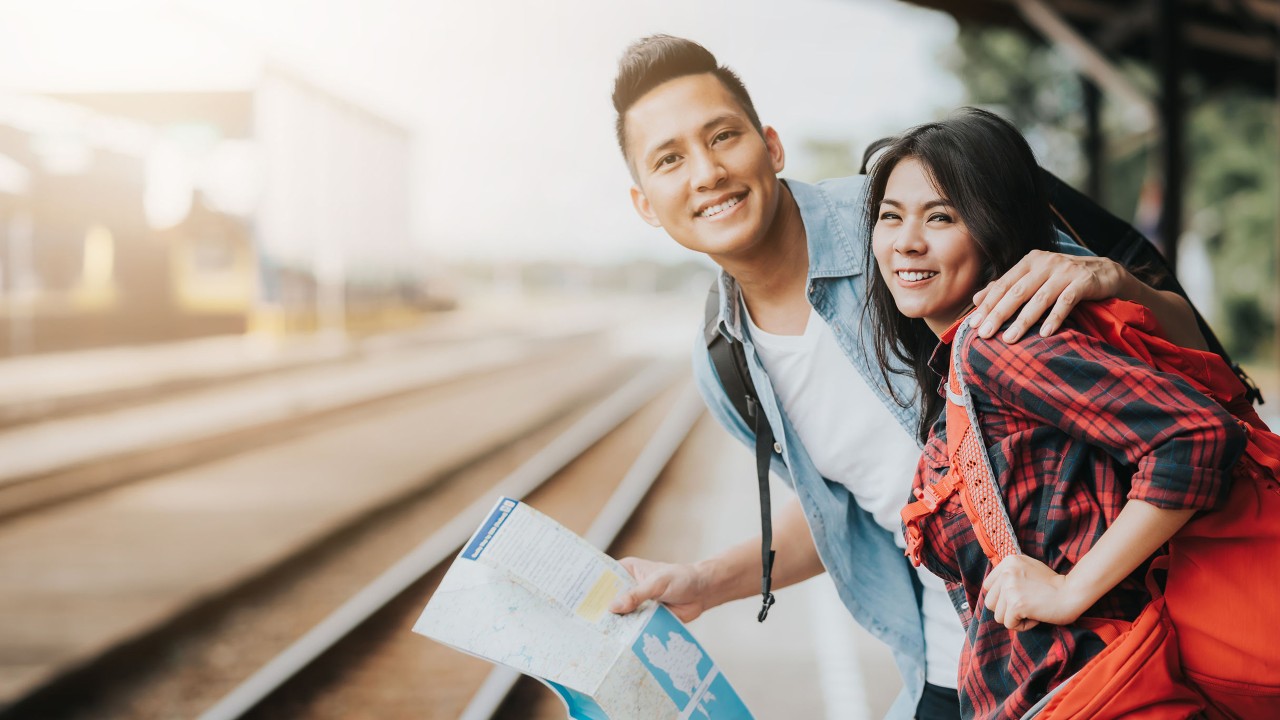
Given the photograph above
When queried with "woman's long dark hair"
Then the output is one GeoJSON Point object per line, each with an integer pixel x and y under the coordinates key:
{"type": "Point", "coordinates": [984, 169]}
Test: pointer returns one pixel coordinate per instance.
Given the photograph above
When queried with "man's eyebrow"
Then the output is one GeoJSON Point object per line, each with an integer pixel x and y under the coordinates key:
{"type": "Point", "coordinates": [671, 142]}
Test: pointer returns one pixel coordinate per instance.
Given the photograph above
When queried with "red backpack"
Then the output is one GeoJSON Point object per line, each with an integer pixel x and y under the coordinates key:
{"type": "Point", "coordinates": [1209, 642]}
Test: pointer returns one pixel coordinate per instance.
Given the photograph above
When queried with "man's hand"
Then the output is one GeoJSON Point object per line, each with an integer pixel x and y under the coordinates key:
{"type": "Point", "coordinates": [1046, 282]}
{"type": "Point", "coordinates": [1023, 592]}
{"type": "Point", "coordinates": [682, 588]}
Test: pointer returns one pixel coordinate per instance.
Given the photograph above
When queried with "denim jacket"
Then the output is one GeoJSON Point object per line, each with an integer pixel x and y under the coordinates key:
{"type": "Point", "coordinates": [871, 574]}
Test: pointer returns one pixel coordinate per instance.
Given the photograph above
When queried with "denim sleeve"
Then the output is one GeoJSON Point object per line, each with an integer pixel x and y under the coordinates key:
{"type": "Point", "coordinates": [1068, 246]}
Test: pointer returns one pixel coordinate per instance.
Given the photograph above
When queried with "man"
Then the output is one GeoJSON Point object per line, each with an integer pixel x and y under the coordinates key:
{"type": "Point", "coordinates": [792, 256]}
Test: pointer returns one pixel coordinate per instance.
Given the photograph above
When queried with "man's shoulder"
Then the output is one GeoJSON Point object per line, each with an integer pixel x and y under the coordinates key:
{"type": "Point", "coordinates": [840, 193]}
{"type": "Point", "coordinates": [844, 186]}
{"type": "Point", "coordinates": [834, 212]}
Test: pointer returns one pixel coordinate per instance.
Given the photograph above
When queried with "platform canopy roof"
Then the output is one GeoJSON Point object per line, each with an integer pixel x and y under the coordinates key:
{"type": "Point", "coordinates": [1225, 42]}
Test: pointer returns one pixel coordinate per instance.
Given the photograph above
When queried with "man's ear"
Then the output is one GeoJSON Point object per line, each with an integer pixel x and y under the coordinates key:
{"type": "Point", "coordinates": [643, 208]}
{"type": "Point", "coordinates": [777, 155]}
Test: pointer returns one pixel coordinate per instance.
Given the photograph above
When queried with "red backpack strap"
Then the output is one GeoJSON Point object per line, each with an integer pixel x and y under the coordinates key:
{"type": "Point", "coordinates": [983, 502]}
{"type": "Point", "coordinates": [970, 474]}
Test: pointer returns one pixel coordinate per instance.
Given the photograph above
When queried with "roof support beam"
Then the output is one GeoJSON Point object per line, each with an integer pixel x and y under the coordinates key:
{"type": "Point", "coordinates": [1094, 143]}
{"type": "Point", "coordinates": [1089, 61]}
{"type": "Point", "coordinates": [1169, 60]}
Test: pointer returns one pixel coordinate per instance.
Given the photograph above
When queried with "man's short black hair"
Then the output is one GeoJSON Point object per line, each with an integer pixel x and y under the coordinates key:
{"type": "Point", "coordinates": [654, 60]}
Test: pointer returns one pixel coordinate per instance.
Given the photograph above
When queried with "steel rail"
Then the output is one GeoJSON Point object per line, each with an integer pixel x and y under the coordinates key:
{"type": "Point", "coordinates": [622, 504]}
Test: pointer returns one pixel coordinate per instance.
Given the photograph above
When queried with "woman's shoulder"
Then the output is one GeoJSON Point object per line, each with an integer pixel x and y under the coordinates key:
{"type": "Point", "coordinates": [986, 361]}
{"type": "Point", "coordinates": [971, 345]}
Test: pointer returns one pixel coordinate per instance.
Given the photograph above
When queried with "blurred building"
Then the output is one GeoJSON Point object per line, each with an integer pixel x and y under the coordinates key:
{"type": "Point", "coordinates": [142, 216]}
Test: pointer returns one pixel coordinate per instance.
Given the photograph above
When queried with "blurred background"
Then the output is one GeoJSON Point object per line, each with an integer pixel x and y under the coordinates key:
{"type": "Point", "coordinates": [230, 229]}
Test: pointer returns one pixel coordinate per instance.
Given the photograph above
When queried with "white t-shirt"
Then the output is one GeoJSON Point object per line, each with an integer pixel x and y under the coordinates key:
{"type": "Point", "coordinates": [853, 440]}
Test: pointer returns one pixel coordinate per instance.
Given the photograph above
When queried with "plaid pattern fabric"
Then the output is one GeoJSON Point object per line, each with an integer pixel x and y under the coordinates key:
{"type": "Point", "coordinates": [1073, 429]}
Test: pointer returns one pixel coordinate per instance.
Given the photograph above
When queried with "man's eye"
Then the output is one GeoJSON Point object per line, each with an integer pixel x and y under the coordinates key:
{"type": "Point", "coordinates": [668, 159]}
{"type": "Point", "coordinates": [724, 135]}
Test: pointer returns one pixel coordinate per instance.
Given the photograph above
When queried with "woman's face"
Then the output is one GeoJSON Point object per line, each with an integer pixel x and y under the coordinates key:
{"type": "Point", "coordinates": [925, 253]}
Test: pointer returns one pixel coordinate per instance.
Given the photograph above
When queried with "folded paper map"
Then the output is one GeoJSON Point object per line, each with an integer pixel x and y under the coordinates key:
{"type": "Point", "coordinates": [528, 593]}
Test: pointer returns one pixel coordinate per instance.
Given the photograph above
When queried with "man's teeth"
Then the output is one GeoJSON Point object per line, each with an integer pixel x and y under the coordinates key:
{"type": "Point", "coordinates": [717, 209]}
{"type": "Point", "coordinates": [912, 276]}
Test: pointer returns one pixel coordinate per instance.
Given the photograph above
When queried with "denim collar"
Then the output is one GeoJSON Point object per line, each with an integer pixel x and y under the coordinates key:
{"type": "Point", "coordinates": [839, 255]}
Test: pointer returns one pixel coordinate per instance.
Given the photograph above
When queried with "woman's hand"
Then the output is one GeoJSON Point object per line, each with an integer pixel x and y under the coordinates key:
{"type": "Point", "coordinates": [1023, 592]}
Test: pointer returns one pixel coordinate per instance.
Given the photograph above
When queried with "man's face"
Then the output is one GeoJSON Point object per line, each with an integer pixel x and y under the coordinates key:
{"type": "Point", "coordinates": [702, 171]}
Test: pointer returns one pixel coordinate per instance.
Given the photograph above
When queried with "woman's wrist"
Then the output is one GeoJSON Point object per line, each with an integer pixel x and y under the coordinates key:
{"type": "Point", "coordinates": [1078, 593]}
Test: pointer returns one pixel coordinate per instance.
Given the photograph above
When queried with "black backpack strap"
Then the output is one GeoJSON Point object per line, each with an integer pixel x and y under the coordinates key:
{"type": "Point", "coordinates": [730, 362]}
{"type": "Point", "coordinates": [1107, 235]}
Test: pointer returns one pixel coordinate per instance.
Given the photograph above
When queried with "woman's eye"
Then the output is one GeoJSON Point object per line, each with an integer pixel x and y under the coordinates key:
{"type": "Point", "coordinates": [940, 217]}
{"type": "Point", "coordinates": [888, 215]}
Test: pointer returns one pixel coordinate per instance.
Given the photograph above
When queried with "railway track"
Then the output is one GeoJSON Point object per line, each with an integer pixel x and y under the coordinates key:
{"type": "Point", "coordinates": [209, 640]}
{"type": "Point", "coordinates": [108, 379]}
{"type": "Point", "coordinates": [363, 654]}
{"type": "Point", "coordinates": [62, 459]}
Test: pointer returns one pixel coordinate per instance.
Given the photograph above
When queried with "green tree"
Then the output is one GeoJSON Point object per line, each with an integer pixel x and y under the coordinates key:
{"type": "Point", "coordinates": [1232, 163]}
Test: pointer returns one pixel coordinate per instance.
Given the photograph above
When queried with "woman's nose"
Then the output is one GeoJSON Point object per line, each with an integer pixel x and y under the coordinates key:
{"type": "Point", "coordinates": [909, 240]}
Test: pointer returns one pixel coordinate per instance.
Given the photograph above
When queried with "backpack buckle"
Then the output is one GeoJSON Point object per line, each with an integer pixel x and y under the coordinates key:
{"type": "Point", "coordinates": [929, 497]}
{"type": "Point", "coordinates": [915, 543]}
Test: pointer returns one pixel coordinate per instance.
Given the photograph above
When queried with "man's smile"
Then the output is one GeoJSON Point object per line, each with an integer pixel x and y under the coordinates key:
{"type": "Point", "coordinates": [719, 206]}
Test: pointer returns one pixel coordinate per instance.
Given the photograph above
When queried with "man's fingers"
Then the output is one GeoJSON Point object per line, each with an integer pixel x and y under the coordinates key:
{"type": "Point", "coordinates": [651, 585]}
{"type": "Point", "coordinates": [1034, 309]}
{"type": "Point", "coordinates": [985, 300]}
{"type": "Point", "coordinates": [629, 600]}
{"type": "Point", "coordinates": [979, 297]}
{"type": "Point", "coordinates": [1007, 306]}
{"type": "Point", "coordinates": [1066, 302]}
{"type": "Point", "coordinates": [631, 565]}
{"type": "Point", "coordinates": [624, 603]}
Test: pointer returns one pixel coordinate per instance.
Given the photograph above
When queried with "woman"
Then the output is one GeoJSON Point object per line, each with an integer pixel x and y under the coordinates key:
{"type": "Point", "coordinates": [1099, 458]}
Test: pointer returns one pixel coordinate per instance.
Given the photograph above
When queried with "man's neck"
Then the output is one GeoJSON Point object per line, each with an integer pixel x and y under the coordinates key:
{"type": "Point", "coordinates": [773, 276]}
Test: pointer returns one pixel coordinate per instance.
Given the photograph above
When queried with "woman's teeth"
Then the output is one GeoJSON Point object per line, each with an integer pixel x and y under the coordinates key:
{"type": "Point", "coordinates": [913, 276]}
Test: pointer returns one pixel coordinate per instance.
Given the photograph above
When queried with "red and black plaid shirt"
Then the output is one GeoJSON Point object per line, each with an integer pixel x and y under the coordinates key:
{"type": "Point", "coordinates": [1073, 429]}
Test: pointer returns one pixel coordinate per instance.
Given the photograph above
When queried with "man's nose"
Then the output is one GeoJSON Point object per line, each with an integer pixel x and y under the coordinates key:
{"type": "Point", "coordinates": [708, 170]}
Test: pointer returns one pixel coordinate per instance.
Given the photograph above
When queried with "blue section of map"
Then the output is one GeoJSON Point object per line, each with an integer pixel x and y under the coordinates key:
{"type": "Point", "coordinates": [727, 705]}
{"type": "Point", "coordinates": [680, 665]}
{"type": "Point", "coordinates": [581, 706]}
{"type": "Point", "coordinates": [481, 539]}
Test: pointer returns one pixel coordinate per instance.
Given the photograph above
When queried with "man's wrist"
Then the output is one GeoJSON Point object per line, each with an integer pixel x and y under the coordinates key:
{"type": "Point", "coordinates": [721, 579]}
{"type": "Point", "coordinates": [1128, 287]}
